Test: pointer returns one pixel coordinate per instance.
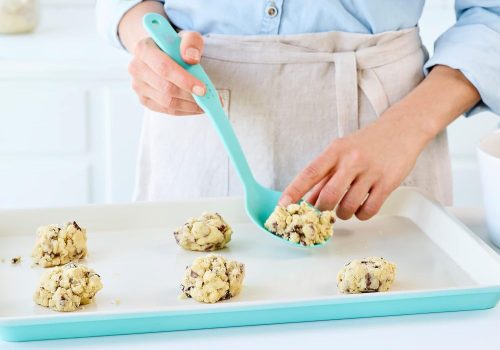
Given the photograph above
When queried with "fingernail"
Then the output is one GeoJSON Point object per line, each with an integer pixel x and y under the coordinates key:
{"type": "Point", "coordinates": [198, 90]}
{"type": "Point", "coordinates": [193, 53]}
{"type": "Point", "coordinates": [285, 200]}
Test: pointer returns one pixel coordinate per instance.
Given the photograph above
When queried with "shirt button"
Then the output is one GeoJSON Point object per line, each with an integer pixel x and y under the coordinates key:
{"type": "Point", "coordinates": [272, 11]}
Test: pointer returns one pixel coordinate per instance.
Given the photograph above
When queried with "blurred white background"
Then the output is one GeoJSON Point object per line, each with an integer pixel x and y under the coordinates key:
{"type": "Point", "coordinates": [70, 123]}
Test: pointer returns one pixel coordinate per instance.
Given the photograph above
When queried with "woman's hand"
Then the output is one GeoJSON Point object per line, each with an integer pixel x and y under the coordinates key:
{"type": "Point", "coordinates": [161, 84]}
{"type": "Point", "coordinates": [359, 171]}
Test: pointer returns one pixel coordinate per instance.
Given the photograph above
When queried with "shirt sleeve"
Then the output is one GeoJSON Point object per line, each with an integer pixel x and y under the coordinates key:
{"type": "Point", "coordinates": [109, 14]}
{"type": "Point", "coordinates": [472, 46]}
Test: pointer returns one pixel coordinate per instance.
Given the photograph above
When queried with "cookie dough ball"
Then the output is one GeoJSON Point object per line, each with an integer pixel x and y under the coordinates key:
{"type": "Point", "coordinates": [301, 223]}
{"type": "Point", "coordinates": [58, 246]}
{"type": "Point", "coordinates": [366, 276]}
{"type": "Point", "coordinates": [205, 233]}
{"type": "Point", "coordinates": [65, 288]}
{"type": "Point", "coordinates": [212, 278]}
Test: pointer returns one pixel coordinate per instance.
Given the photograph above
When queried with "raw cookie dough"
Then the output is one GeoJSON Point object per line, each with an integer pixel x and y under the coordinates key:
{"type": "Point", "coordinates": [366, 275]}
{"type": "Point", "coordinates": [212, 278]}
{"type": "Point", "coordinates": [65, 288]}
{"type": "Point", "coordinates": [301, 223]}
{"type": "Point", "coordinates": [57, 246]}
{"type": "Point", "coordinates": [205, 233]}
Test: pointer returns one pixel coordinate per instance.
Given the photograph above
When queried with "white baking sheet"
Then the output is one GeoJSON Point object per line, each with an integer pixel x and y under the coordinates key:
{"type": "Point", "coordinates": [133, 249]}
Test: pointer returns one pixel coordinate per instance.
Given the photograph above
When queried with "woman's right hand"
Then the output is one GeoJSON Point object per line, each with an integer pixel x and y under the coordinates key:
{"type": "Point", "coordinates": [161, 84]}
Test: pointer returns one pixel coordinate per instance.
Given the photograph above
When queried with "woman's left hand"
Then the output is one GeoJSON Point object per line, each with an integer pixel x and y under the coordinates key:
{"type": "Point", "coordinates": [359, 171]}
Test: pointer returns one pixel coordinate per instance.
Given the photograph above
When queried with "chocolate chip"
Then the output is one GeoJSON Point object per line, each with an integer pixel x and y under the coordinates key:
{"type": "Point", "coordinates": [226, 296]}
{"type": "Point", "coordinates": [222, 228]}
{"type": "Point", "coordinates": [15, 260]}
{"type": "Point", "coordinates": [194, 274]}
{"type": "Point", "coordinates": [76, 226]}
{"type": "Point", "coordinates": [368, 280]}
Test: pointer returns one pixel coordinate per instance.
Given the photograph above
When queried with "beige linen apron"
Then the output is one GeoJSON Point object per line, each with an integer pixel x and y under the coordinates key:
{"type": "Point", "coordinates": [287, 98]}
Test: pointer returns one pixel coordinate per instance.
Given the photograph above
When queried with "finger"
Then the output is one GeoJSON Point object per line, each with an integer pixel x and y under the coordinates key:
{"type": "Point", "coordinates": [191, 46]}
{"type": "Point", "coordinates": [309, 177]}
{"type": "Point", "coordinates": [156, 107]}
{"type": "Point", "coordinates": [334, 190]}
{"type": "Point", "coordinates": [167, 68]}
{"type": "Point", "coordinates": [354, 197]}
{"type": "Point", "coordinates": [166, 101]}
{"type": "Point", "coordinates": [314, 194]}
{"type": "Point", "coordinates": [371, 206]}
{"type": "Point", "coordinates": [142, 72]}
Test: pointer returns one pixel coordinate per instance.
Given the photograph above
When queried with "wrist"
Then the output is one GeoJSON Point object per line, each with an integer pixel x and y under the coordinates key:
{"type": "Point", "coordinates": [130, 28]}
{"type": "Point", "coordinates": [409, 123]}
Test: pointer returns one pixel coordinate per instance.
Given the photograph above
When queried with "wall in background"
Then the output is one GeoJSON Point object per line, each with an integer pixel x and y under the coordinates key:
{"type": "Point", "coordinates": [70, 122]}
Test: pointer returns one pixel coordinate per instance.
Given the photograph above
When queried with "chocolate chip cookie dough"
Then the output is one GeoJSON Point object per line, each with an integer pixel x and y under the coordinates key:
{"type": "Point", "coordinates": [301, 223]}
{"type": "Point", "coordinates": [205, 233]}
{"type": "Point", "coordinates": [57, 246]}
{"type": "Point", "coordinates": [212, 278]}
{"type": "Point", "coordinates": [366, 276]}
{"type": "Point", "coordinates": [65, 288]}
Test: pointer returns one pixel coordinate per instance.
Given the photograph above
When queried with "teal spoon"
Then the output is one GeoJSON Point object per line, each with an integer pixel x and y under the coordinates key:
{"type": "Point", "coordinates": [260, 201]}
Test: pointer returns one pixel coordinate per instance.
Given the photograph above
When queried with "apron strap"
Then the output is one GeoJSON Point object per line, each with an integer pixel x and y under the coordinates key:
{"type": "Point", "coordinates": [353, 68]}
{"type": "Point", "coordinates": [346, 83]}
{"type": "Point", "coordinates": [374, 91]}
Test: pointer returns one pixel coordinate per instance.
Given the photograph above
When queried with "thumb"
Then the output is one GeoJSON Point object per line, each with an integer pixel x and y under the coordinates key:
{"type": "Point", "coordinates": [191, 47]}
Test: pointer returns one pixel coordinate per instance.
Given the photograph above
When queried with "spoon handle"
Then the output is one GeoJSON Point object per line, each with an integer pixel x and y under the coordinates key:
{"type": "Point", "coordinates": [168, 41]}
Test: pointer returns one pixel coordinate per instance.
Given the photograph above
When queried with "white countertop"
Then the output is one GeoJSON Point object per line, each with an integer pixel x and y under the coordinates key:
{"type": "Point", "coordinates": [457, 330]}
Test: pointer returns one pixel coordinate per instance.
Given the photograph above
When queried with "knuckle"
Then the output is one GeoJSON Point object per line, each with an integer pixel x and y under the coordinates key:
{"type": "Point", "coordinates": [135, 86]}
{"type": "Point", "coordinates": [349, 205]}
{"type": "Point", "coordinates": [330, 192]}
{"type": "Point", "coordinates": [164, 68]}
{"type": "Point", "coordinates": [369, 210]}
{"type": "Point", "coordinates": [293, 191]}
{"type": "Point", "coordinates": [311, 172]}
{"type": "Point", "coordinates": [144, 100]}
{"type": "Point", "coordinates": [356, 156]}
{"type": "Point", "coordinates": [140, 47]}
{"type": "Point", "coordinates": [164, 86]}
{"type": "Point", "coordinates": [385, 188]}
{"type": "Point", "coordinates": [171, 89]}
{"type": "Point", "coordinates": [172, 103]}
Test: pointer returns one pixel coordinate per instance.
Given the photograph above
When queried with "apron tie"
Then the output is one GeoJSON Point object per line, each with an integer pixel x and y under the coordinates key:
{"type": "Point", "coordinates": [346, 84]}
{"type": "Point", "coordinates": [353, 68]}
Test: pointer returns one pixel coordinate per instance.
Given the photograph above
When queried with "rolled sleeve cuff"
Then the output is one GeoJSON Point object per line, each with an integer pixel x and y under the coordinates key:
{"type": "Point", "coordinates": [475, 51]}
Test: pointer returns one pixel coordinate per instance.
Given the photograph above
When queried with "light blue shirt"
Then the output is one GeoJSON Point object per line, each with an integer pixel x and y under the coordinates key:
{"type": "Point", "coordinates": [472, 45]}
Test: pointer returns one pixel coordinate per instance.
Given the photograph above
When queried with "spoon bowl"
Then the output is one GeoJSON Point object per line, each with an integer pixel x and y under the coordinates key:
{"type": "Point", "coordinates": [259, 200]}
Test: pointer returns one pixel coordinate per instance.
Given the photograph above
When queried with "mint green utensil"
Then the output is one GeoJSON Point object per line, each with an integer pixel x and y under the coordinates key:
{"type": "Point", "coordinates": [260, 201]}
